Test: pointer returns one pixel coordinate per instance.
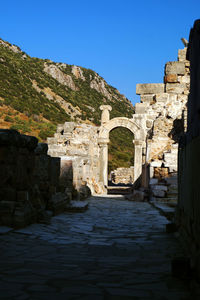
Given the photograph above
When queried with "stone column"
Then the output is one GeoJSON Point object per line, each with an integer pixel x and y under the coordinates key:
{"type": "Point", "coordinates": [103, 146]}
{"type": "Point", "coordinates": [138, 159]}
{"type": "Point", "coordinates": [105, 115]}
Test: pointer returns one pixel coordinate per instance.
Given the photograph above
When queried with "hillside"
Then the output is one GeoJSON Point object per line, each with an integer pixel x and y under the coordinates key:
{"type": "Point", "coordinates": [38, 94]}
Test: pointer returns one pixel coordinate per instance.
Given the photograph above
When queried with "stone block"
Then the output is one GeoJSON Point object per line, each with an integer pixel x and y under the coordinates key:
{"type": "Point", "coordinates": [176, 88]}
{"type": "Point", "coordinates": [140, 108]}
{"type": "Point", "coordinates": [171, 78]}
{"type": "Point", "coordinates": [147, 98]}
{"type": "Point", "coordinates": [163, 97]}
{"type": "Point", "coordinates": [182, 54]}
{"type": "Point", "coordinates": [150, 88]}
{"type": "Point", "coordinates": [175, 67]}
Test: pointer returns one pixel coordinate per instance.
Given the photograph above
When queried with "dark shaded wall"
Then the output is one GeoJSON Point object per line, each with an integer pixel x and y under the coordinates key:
{"type": "Point", "coordinates": [188, 211]}
{"type": "Point", "coordinates": [29, 180]}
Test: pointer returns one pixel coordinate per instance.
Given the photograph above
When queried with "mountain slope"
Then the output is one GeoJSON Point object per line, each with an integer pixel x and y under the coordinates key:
{"type": "Point", "coordinates": [37, 94]}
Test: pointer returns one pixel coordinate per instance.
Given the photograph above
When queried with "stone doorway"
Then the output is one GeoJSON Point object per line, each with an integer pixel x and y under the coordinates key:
{"type": "Point", "coordinates": [108, 125]}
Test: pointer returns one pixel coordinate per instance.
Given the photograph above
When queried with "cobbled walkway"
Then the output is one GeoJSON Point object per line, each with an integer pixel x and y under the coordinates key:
{"type": "Point", "coordinates": [115, 250]}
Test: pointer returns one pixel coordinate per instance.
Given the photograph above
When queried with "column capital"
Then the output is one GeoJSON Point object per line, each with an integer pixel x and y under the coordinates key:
{"type": "Point", "coordinates": [105, 107]}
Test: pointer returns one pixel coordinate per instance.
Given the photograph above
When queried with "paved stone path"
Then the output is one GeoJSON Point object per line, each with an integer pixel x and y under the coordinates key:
{"type": "Point", "coordinates": [115, 250]}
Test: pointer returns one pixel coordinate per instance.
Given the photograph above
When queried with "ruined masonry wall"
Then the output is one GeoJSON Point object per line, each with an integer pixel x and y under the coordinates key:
{"type": "Point", "coordinates": [123, 175]}
{"type": "Point", "coordinates": [164, 107]}
{"type": "Point", "coordinates": [78, 144]}
{"type": "Point", "coordinates": [29, 180]}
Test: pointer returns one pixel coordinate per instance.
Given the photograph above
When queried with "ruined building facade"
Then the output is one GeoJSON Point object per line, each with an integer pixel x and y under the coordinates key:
{"type": "Point", "coordinates": [159, 120]}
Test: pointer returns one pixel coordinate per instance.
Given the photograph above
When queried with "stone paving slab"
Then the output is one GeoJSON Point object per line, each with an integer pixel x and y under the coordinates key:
{"type": "Point", "coordinates": [115, 250]}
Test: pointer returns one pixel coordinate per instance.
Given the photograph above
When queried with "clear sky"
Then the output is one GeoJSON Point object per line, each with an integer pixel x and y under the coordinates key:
{"type": "Point", "coordinates": [125, 41]}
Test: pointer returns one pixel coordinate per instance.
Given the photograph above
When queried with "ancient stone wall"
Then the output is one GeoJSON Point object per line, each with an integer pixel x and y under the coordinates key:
{"type": "Point", "coordinates": [164, 107]}
{"type": "Point", "coordinates": [77, 144]}
{"type": "Point", "coordinates": [188, 211]}
{"type": "Point", "coordinates": [29, 180]}
{"type": "Point", "coordinates": [123, 175]}
{"type": "Point", "coordinates": [157, 124]}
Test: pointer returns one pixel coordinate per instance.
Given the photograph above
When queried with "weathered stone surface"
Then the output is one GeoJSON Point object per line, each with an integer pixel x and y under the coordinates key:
{"type": "Point", "coordinates": [171, 78]}
{"type": "Point", "coordinates": [140, 108]}
{"type": "Point", "coordinates": [147, 98]}
{"type": "Point", "coordinates": [175, 67]}
{"type": "Point", "coordinates": [182, 54]}
{"type": "Point", "coordinates": [163, 97]}
{"type": "Point", "coordinates": [149, 88]}
{"type": "Point", "coordinates": [176, 88]}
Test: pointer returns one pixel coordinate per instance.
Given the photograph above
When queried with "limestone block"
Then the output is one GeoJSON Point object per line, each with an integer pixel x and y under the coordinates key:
{"type": "Point", "coordinates": [149, 88]}
{"type": "Point", "coordinates": [175, 67]}
{"type": "Point", "coordinates": [162, 97]}
{"type": "Point", "coordinates": [147, 98]}
{"type": "Point", "coordinates": [171, 78]}
{"type": "Point", "coordinates": [177, 88]}
{"type": "Point", "coordinates": [140, 108]}
{"type": "Point", "coordinates": [182, 54]}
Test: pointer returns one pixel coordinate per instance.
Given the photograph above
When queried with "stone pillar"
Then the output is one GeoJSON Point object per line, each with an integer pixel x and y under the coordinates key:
{"type": "Point", "coordinates": [137, 159]}
{"type": "Point", "coordinates": [105, 116]}
{"type": "Point", "coordinates": [103, 160]}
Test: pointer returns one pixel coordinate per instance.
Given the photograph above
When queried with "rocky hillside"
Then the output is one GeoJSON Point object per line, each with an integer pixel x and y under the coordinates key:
{"type": "Point", "coordinates": [37, 94]}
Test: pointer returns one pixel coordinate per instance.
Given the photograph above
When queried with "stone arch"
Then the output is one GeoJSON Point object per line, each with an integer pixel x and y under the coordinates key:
{"type": "Point", "coordinates": [103, 140]}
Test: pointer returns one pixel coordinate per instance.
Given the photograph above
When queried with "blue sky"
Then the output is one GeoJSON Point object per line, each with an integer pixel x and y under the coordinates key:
{"type": "Point", "coordinates": [126, 42]}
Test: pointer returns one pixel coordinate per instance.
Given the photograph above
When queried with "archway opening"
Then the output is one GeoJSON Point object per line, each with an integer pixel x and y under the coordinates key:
{"type": "Point", "coordinates": [120, 157]}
